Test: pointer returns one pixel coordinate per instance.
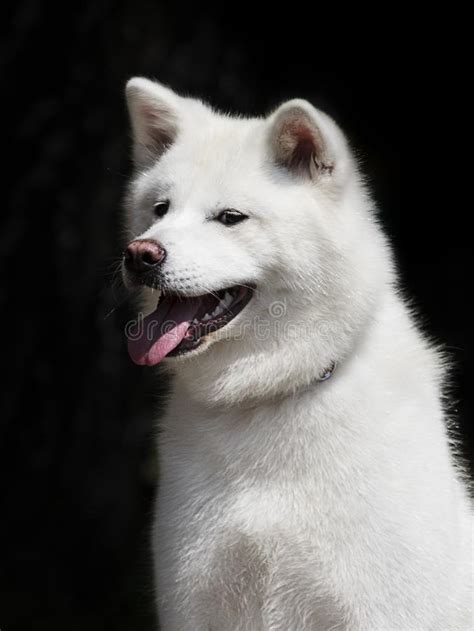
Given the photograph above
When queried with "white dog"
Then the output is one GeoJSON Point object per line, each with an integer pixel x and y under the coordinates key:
{"type": "Point", "coordinates": [307, 481]}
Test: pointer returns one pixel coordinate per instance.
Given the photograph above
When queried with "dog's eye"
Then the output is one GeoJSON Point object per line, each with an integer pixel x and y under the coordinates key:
{"type": "Point", "coordinates": [161, 208]}
{"type": "Point", "coordinates": [230, 217]}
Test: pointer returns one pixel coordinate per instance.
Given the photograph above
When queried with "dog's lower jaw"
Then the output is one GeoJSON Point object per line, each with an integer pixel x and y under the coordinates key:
{"type": "Point", "coordinates": [265, 354]}
{"type": "Point", "coordinates": [238, 371]}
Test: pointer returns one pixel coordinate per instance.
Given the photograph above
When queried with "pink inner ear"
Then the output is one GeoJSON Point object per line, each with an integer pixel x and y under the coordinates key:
{"type": "Point", "coordinates": [305, 145]}
{"type": "Point", "coordinates": [160, 128]}
{"type": "Point", "coordinates": [299, 145]}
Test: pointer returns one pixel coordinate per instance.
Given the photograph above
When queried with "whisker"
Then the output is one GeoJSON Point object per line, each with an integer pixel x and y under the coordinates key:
{"type": "Point", "coordinates": [246, 286]}
{"type": "Point", "coordinates": [115, 172]}
{"type": "Point", "coordinates": [130, 293]}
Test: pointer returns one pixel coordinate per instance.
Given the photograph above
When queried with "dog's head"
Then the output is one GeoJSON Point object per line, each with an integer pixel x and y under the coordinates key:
{"type": "Point", "coordinates": [250, 239]}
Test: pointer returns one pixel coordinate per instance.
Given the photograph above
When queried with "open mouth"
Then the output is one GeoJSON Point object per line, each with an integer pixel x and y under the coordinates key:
{"type": "Point", "coordinates": [180, 323]}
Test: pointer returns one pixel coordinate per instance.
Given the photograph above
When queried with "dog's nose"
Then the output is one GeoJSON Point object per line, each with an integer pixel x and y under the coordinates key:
{"type": "Point", "coordinates": [143, 255]}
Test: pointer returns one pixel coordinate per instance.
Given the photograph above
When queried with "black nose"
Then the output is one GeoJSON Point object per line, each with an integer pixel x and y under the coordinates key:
{"type": "Point", "coordinates": [143, 255]}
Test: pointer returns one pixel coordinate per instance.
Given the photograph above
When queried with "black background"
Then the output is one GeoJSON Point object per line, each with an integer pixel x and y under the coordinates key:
{"type": "Point", "coordinates": [77, 472]}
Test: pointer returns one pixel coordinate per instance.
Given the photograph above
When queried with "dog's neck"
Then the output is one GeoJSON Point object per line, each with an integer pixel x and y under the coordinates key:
{"type": "Point", "coordinates": [252, 401]}
{"type": "Point", "coordinates": [278, 398]}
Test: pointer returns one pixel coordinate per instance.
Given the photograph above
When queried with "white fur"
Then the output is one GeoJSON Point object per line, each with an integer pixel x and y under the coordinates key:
{"type": "Point", "coordinates": [286, 503]}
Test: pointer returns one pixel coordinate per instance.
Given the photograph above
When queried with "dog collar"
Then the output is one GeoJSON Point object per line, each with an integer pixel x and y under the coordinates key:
{"type": "Point", "coordinates": [327, 374]}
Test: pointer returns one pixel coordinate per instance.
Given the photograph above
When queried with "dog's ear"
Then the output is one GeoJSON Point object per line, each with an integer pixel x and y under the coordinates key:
{"type": "Point", "coordinates": [299, 139]}
{"type": "Point", "coordinates": [153, 111]}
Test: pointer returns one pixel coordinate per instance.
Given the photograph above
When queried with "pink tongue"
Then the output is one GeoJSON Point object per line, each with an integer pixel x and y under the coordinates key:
{"type": "Point", "coordinates": [161, 331]}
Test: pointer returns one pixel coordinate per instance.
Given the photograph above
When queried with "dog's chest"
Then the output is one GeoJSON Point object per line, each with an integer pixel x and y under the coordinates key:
{"type": "Point", "coordinates": [247, 562]}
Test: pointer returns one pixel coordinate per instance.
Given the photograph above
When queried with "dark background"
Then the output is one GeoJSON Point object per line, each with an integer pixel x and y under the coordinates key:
{"type": "Point", "coordinates": [77, 472]}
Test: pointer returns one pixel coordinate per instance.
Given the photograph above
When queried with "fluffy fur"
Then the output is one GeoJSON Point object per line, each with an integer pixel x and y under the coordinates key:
{"type": "Point", "coordinates": [287, 503]}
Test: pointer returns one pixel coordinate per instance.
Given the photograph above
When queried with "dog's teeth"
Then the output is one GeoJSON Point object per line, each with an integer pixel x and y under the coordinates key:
{"type": "Point", "coordinates": [220, 308]}
{"type": "Point", "coordinates": [227, 299]}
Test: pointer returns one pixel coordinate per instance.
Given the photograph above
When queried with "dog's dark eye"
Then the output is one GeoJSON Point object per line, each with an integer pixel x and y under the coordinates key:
{"type": "Point", "coordinates": [230, 217]}
{"type": "Point", "coordinates": [161, 208]}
